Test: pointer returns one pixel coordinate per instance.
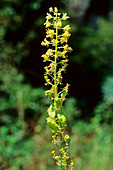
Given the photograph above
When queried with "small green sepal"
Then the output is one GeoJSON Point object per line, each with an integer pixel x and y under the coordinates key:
{"type": "Point", "coordinates": [52, 125]}
{"type": "Point", "coordinates": [58, 102]}
{"type": "Point", "coordinates": [62, 118]}
{"type": "Point", "coordinates": [51, 111]}
{"type": "Point", "coordinates": [48, 93]}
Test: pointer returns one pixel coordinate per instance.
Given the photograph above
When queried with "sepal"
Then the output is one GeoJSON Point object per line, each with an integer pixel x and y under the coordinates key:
{"type": "Point", "coordinates": [58, 102]}
{"type": "Point", "coordinates": [62, 118]}
{"type": "Point", "coordinates": [51, 111]}
{"type": "Point", "coordinates": [52, 125]}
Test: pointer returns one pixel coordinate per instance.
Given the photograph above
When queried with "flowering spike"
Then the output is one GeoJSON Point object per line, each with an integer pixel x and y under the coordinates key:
{"type": "Point", "coordinates": [56, 56]}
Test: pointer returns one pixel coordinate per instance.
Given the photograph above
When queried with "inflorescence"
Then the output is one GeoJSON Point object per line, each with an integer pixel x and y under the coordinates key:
{"type": "Point", "coordinates": [56, 56]}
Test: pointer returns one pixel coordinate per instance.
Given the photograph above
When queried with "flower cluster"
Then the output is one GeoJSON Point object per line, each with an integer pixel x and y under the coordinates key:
{"type": "Point", "coordinates": [56, 57]}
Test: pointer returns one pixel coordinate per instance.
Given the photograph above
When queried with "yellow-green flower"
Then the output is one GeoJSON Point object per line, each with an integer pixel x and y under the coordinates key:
{"type": "Point", "coordinates": [52, 65]}
{"type": "Point", "coordinates": [45, 57]}
{"type": "Point", "coordinates": [63, 40]}
{"type": "Point", "coordinates": [66, 28]}
{"type": "Point", "coordinates": [50, 33]}
{"type": "Point", "coordinates": [49, 16]}
{"type": "Point", "coordinates": [47, 24]}
{"type": "Point", "coordinates": [54, 42]}
{"type": "Point", "coordinates": [49, 52]}
{"type": "Point", "coordinates": [66, 34]}
{"type": "Point", "coordinates": [66, 47]}
{"type": "Point", "coordinates": [59, 24]}
{"type": "Point", "coordinates": [63, 53]}
{"type": "Point", "coordinates": [50, 9]}
{"type": "Point", "coordinates": [45, 42]}
{"type": "Point", "coordinates": [64, 61]}
{"type": "Point", "coordinates": [59, 53]}
{"type": "Point", "coordinates": [55, 10]}
{"type": "Point", "coordinates": [65, 17]}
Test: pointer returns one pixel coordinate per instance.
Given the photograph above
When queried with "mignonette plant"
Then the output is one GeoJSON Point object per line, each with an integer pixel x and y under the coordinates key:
{"type": "Point", "coordinates": [56, 57]}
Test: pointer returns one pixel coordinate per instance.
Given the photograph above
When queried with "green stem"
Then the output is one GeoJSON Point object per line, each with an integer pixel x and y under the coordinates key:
{"type": "Point", "coordinates": [55, 76]}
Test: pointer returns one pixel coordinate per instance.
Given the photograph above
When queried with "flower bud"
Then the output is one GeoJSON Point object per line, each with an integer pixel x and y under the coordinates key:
{"type": "Point", "coordinates": [53, 152]}
{"type": "Point", "coordinates": [67, 139]}
{"type": "Point", "coordinates": [48, 93]}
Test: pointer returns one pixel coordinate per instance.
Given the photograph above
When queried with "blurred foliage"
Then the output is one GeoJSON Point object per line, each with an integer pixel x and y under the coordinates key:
{"type": "Point", "coordinates": [14, 147]}
{"type": "Point", "coordinates": [95, 44]}
{"type": "Point", "coordinates": [104, 111]}
{"type": "Point", "coordinates": [71, 111]}
{"type": "Point", "coordinates": [77, 8]}
{"type": "Point", "coordinates": [91, 142]}
{"type": "Point", "coordinates": [20, 104]}
{"type": "Point", "coordinates": [107, 89]}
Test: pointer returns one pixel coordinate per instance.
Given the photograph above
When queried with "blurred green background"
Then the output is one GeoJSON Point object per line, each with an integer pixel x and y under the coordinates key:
{"type": "Point", "coordinates": [25, 140]}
